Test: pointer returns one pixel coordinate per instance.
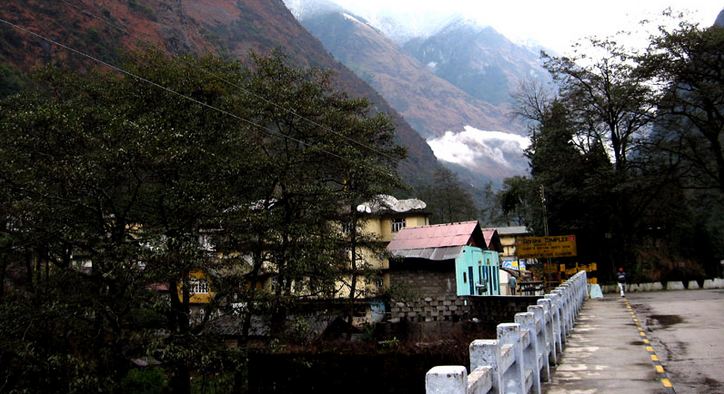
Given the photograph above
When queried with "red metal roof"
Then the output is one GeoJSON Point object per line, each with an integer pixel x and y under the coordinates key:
{"type": "Point", "coordinates": [488, 234]}
{"type": "Point", "coordinates": [492, 239]}
{"type": "Point", "coordinates": [435, 236]}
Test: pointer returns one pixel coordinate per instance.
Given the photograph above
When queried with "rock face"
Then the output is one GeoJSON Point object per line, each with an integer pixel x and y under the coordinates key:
{"type": "Point", "coordinates": [105, 28]}
{"type": "Point", "coordinates": [720, 19]}
{"type": "Point", "coordinates": [460, 106]}
{"type": "Point", "coordinates": [431, 104]}
{"type": "Point", "coordinates": [478, 60]}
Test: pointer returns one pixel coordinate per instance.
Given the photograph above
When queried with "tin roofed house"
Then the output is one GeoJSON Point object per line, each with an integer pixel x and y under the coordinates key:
{"type": "Point", "coordinates": [438, 264]}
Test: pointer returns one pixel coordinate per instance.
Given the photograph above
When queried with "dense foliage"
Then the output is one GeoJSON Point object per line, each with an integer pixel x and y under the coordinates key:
{"type": "Point", "coordinates": [116, 191]}
{"type": "Point", "coordinates": [447, 199]}
{"type": "Point", "coordinates": [627, 155]}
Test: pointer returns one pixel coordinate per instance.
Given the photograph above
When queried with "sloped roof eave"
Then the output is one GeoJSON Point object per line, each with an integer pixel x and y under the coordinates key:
{"type": "Point", "coordinates": [436, 254]}
{"type": "Point", "coordinates": [434, 236]}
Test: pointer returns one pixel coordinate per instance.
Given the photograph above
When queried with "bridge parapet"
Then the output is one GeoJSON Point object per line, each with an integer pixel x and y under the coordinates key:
{"type": "Point", "coordinates": [520, 358]}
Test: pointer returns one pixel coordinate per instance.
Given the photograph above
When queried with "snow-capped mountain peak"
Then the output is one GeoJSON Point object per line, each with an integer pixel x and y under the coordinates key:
{"type": "Point", "coordinates": [308, 8]}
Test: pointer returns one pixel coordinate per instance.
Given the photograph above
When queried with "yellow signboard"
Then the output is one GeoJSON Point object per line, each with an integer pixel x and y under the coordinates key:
{"type": "Point", "coordinates": [541, 247]}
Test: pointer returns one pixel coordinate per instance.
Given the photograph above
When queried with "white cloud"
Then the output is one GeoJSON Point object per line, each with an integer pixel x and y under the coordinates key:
{"type": "Point", "coordinates": [473, 148]}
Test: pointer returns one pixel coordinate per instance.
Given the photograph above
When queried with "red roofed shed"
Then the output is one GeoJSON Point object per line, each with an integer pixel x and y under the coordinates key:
{"type": "Point", "coordinates": [442, 241]}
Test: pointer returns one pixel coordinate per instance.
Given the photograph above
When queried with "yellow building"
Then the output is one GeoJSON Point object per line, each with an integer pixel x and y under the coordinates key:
{"type": "Point", "coordinates": [384, 217]}
{"type": "Point", "coordinates": [508, 238]}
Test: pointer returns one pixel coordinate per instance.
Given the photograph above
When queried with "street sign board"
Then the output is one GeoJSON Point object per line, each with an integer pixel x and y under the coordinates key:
{"type": "Point", "coordinates": [541, 247]}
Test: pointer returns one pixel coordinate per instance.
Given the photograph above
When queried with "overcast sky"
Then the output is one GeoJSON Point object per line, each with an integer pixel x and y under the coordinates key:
{"type": "Point", "coordinates": [555, 24]}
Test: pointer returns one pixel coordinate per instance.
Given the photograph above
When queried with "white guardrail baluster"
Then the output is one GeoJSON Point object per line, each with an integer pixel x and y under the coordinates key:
{"type": "Point", "coordinates": [520, 358]}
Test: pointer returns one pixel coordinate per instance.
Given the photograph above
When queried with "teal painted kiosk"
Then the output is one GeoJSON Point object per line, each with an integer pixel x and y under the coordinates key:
{"type": "Point", "coordinates": [476, 272]}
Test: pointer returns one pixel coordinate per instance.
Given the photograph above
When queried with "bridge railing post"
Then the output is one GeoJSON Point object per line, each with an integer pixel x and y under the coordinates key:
{"type": "Point", "coordinates": [519, 359]}
{"type": "Point", "coordinates": [487, 353]}
{"type": "Point", "coordinates": [509, 335]}
{"type": "Point", "coordinates": [446, 379]}
{"type": "Point", "coordinates": [550, 344]}
{"type": "Point", "coordinates": [556, 317]}
{"type": "Point", "coordinates": [530, 352]}
{"type": "Point", "coordinates": [540, 343]}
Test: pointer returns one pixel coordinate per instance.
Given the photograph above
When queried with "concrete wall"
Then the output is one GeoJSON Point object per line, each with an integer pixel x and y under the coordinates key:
{"type": "Point", "coordinates": [424, 278]}
{"type": "Point", "coordinates": [428, 288]}
{"type": "Point", "coordinates": [430, 309]}
{"type": "Point", "coordinates": [496, 309]}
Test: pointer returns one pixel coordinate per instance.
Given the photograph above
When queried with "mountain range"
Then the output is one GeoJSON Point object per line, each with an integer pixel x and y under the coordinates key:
{"type": "Point", "coordinates": [448, 92]}
{"type": "Point", "coordinates": [105, 28]}
{"type": "Point", "coordinates": [453, 85]}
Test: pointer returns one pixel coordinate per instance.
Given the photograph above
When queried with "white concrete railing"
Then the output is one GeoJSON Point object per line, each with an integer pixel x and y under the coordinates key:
{"type": "Point", "coordinates": [520, 358]}
{"type": "Point", "coordinates": [715, 283]}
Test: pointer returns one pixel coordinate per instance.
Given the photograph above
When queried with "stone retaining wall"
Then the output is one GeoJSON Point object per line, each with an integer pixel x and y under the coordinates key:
{"type": "Point", "coordinates": [439, 308]}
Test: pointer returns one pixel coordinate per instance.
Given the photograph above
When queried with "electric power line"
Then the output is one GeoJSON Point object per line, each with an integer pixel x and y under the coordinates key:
{"type": "Point", "coordinates": [268, 101]}
{"type": "Point", "coordinates": [167, 89]}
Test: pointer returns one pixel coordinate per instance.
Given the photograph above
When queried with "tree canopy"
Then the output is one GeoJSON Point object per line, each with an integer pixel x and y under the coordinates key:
{"type": "Point", "coordinates": [626, 149]}
{"type": "Point", "coordinates": [115, 191]}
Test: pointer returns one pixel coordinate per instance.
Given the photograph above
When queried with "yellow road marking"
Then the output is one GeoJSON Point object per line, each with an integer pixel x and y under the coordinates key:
{"type": "Point", "coordinates": [659, 369]}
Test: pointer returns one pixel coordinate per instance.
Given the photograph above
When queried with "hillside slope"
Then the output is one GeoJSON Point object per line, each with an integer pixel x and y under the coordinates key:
{"type": "Point", "coordinates": [479, 140]}
{"type": "Point", "coordinates": [431, 104]}
{"type": "Point", "coordinates": [104, 27]}
{"type": "Point", "coordinates": [478, 60]}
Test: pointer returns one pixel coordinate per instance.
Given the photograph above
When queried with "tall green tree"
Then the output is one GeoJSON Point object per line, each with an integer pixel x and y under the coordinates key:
{"type": "Point", "coordinates": [519, 203]}
{"type": "Point", "coordinates": [685, 64]}
{"type": "Point", "coordinates": [108, 171]}
{"type": "Point", "coordinates": [610, 105]}
{"type": "Point", "coordinates": [113, 189]}
{"type": "Point", "coordinates": [308, 189]}
{"type": "Point", "coordinates": [638, 129]}
{"type": "Point", "coordinates": [608, 100]}
{"type": "Point", "coordinates": [447, 199]}
{"type": "Point", "coordinates": [491, 213]}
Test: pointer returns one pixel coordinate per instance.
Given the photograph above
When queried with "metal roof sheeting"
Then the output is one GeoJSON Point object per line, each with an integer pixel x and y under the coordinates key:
{"type": "Point", "coordinates": [438, 254]}
{"type": "Point", "coordinates": [435, 236]}
{"type": "Point", "coordinates": [512, 230]}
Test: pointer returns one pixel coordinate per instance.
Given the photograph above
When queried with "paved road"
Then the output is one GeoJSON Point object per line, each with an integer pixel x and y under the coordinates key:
{"type": "Point", "coordinates": [687, 331]}
{"type": "Point", "coordinates": [606, 353]}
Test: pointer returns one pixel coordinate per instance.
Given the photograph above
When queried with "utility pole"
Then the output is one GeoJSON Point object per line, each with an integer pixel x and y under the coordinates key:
{"type": "Point", "coordinates": [545, 232]}
{"type": "Point", "coordinates": [545, 210]}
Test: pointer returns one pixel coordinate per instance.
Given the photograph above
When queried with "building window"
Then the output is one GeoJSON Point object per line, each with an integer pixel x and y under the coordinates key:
{"type": "Point", "coordinates": [198, 286]}
{"type": "Point", "coordinates": [347, 227]}
{"type": "Point", "coordinates": [398, 224]}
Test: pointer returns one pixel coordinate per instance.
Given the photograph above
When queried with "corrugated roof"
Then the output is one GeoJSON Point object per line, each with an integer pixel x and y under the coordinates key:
{"type": "Point", "coordinates": [435, 236]}
{"type": "Point", "coordinates": [492, 239]}
{"type": "Point", "coordinates": [511, 230]}
{"type": "Point", "coordinates": [488, 234]}
{"type": "Point", "coordinates": [438, 254]}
